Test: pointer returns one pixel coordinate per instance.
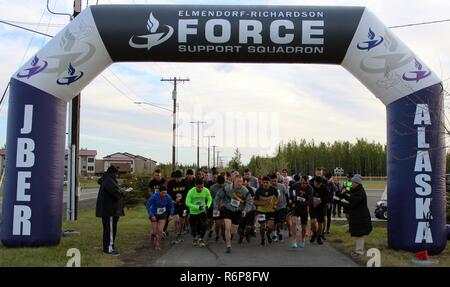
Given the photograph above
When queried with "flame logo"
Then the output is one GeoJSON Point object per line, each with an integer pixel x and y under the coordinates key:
{"type": "Point", "coordinates": [34, 69]}
{"type": "Point", "coordinates": [372, 43]}
{"type": "Point", "coordinates": [71, 76]}
{"type": "Point", "coordinates": [154, 38]}
{"type": "Point", "coordinates": [371, 34]}
{"type": "Point", "coordinates": [152, 24]}
{"type": "Point", "coordinates": [417, 75]}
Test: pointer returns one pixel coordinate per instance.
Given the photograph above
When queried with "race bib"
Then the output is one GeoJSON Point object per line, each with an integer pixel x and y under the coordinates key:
{"type": "Point", "coordinates": [160, 210]}
{"type": "Point", "coordinates": [235, 203]}
{"type": "Point", "coordinates": [261, 217]}
{"type": "Point", "coordinates": [216, 213]}
{"type": "Point", "coordinates": [300, 199]}
{"type": "Point", "coordinates": [185, 212]}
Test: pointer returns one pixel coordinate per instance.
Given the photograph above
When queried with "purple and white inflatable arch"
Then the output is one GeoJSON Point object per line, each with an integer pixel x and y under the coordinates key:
{"type": "Point", "coordinates": [350, 36]}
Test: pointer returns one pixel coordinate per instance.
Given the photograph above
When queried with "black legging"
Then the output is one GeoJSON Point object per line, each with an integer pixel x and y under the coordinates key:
{"type": "Point", "coordinates": [199, 224]}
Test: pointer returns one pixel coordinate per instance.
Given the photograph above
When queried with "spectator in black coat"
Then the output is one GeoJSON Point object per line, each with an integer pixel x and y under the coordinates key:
{"type": "Point", "coordinates": [110, 207]}
{"type": "Point", "coordinates": [359, 216]}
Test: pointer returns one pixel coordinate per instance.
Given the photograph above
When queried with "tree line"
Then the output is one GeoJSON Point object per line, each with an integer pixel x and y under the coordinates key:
{"type": "Point", "coordinates": [363, 157]}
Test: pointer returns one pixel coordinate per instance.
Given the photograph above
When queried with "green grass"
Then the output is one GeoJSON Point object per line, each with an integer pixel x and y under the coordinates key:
{"type": "Point", "coordinates": [340, 239]}
{"type": "Point", "coordinates": [132, 230]}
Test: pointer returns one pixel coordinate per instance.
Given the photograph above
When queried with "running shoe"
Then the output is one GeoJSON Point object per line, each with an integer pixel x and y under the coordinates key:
{"type": "Point", "coordinates": [269, 239]}
{"type": "Point", "coordinates": [240, 239]}
{"type": "Point", "coordinates": [319, 240]}
{"type": "Point", "coordinates": [263, 242]}
{"type": "Point", "coordinates": [280, 237]}
{"type": "Point", "coordinates": [157, 248]}
{"type": "Point", "coordinates": [302, 245]}
{"type": "Point", "coordinates": [195, 242]}
{"type": "Point", "coordinates": [313, 238]}
{"type": "Point", "coordinates": [210, 234]}
{"type": "Point", "coordinates": [201, 243]}
{"type": "Point", "coordinates": [293, 246]}
{"type": "Point", "coordinates": [228, 249]}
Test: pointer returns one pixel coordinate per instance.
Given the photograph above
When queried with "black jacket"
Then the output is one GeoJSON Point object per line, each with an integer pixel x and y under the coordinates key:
{"type": "Point", "coordinates": [359, 214]}
{"type": "Point", "coordinates": [110, 197]}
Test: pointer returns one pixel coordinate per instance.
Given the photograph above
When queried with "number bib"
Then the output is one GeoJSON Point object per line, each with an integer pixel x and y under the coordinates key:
{"type": "Point", "coordinates": [185, 213]}
{"type": "Point", "coordinates": [160, 210]}
{"type": "Point", "coordinates": [216, 213]}
{"type": "Point", "coordinates": [261, 217]}
{"type": "Point", "coordinates": [235, 203]}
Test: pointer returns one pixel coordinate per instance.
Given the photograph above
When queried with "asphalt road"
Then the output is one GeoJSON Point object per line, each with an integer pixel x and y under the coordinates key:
{"type": "Point", "coordinates": [252, 254]}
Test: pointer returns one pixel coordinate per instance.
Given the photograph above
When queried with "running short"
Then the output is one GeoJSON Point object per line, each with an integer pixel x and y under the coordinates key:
{"type": "Point", "coordinates": [180, 209]}
{"type": "Point", "coordinates": [317, 213]}
{"type": "Point", "coordinates": [265, 216]}
{"type": "Point", "coordinates": [234, 216]}
{"type": "Point", "coordinates": [280, 215]}
{"type": "Point", "coordinates": [303, 214]}
{"type": "Point", "coordinates": [160, 217]}
{"type": "Point", "coordinates": [247, 220]}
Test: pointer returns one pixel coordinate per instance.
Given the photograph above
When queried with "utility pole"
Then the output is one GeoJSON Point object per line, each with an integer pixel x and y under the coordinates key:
{"type": "Point", "coordinates": [198, 140]}
{"type": "Point", "coordinates": [175, 81]}
{"type": "Point", "coordinates": [74, 144]}
{"type": "Point", "coordinates": [209, 137]}
{"type": "Point", "coordinates": [214, 155]}
{"type": "Point", "coordinates": [218, 157]}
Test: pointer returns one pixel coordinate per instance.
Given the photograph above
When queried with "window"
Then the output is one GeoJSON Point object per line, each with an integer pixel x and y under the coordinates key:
{"type": "Point", "coordinates": [90, 168]}
{"type": "Point", "coordinates": [84, 167]}
{"type": "Point", "coordinates": [90, 159]}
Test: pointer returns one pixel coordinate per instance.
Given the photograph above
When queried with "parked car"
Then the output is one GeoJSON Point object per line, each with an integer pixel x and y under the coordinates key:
{"type": "Point", "coordinates": [381, 211]}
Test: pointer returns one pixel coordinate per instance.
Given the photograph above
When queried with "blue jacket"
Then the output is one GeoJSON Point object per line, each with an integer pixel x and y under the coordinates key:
{"type": "Point", "coordinates": [155, 202]}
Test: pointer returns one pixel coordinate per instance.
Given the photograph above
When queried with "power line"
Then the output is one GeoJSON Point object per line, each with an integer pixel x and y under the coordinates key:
{"type": "Point", "coordinates": [30, 30]}
{"type": "Point", "coordinates": [420, 23]}
{"type": "Point", "coordinates": [55, 25]}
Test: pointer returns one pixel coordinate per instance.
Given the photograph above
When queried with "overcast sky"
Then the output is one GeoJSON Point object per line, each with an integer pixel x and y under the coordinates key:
{"type": "Point", "coordinates": [284, 102]}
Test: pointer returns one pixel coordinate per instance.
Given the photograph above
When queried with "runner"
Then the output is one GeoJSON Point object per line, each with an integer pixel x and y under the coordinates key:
{"type": "Point", "coordinates": [247, 225]}
{"type": "Point", "coordinates": [237, 203]}
{"type": "Point", "coordinates": [159, 207]}
{"type": "Point", "coordinates": [280, 210]}
{"type": "Point", "coordinates": [156, 182]}
{"type": "Point", "coordinates": [253, 181]}
{"type": "Point", "coordinates": [300, 198]}
{"type": "Point", "coordinates": [265, 199]}
{"type": "Point", "coordinates": [332, 190]}
{"type": "Point", "coordinates": [217, 219]}
{"type": "Point", "coordinates": [198, 200]}
{"type": "Point", "coordinates": [177, 191]}
{"type": "Point", "coordinates": [316, 211]}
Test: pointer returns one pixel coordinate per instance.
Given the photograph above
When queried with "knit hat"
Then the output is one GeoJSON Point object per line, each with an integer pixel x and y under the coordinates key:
{"type": "Point", "coordinates": [357, 178]}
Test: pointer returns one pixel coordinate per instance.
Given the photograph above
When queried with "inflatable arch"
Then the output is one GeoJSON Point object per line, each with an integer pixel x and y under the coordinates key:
{"type": "Point", "coordinates": [350, 36]}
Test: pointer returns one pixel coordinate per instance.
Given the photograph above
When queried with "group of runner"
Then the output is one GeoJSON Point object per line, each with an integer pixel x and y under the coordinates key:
{"type": "Point", "coordinates": [229, 205]}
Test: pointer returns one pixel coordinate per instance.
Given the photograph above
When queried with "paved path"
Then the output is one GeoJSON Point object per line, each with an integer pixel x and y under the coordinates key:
{"type": "Point", "coordinates": [252, 254]}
